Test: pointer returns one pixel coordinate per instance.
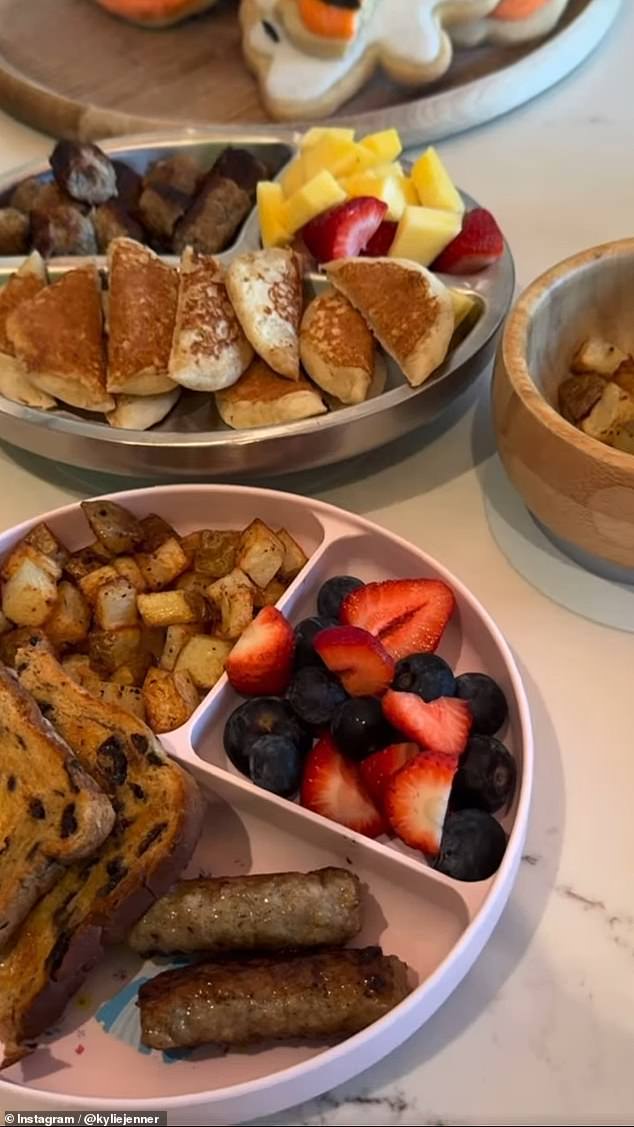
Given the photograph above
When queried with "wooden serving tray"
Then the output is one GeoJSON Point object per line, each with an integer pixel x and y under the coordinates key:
{"type": "Point", "coordinates": [105, 78]}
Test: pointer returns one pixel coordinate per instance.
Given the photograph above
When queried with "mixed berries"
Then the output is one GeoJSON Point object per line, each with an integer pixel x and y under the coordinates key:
{"type": "Point", "coordinates": [355, 712]}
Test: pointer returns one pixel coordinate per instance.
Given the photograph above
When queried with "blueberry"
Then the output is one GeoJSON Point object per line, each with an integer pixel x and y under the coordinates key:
{"type": "Point", "coordinates": [472, 845]}
{"type": "Point", "coordinates": [486, 776]}
{"type": "Point", "coordinates": [427, 675]}
{"type": "Point", "coordinates": [262, 716]}
{"type": "Point", "coordinates": [333, 593]}
{"type": "Point", "coordinates": [358, 727]}
{"type": "Point", "coordinates": [305, 633]}
{"type": "Point", "coordinates": [486, 701]}
{"type": "Point", "coordinates": [276, 764]}
{"type": "Point", "coordinates": [314, 695]}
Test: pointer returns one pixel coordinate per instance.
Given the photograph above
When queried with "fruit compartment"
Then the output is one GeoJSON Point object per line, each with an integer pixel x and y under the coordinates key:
{"type": "Point", "coordinates": [419, 920]}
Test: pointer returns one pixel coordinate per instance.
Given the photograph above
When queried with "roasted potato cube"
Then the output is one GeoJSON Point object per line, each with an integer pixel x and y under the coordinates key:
{"type": "Point", "coordinates": [268, 596]}
{"type": "Point", "coordinates": [153, 641]}
{"type": "Point", "coordinates": [124, 696]}
{"type": "Point", "coordinates": [129, 568]}
{"type": "Point", "coordinates": [118, 530]}
{"type": "Point", "coordinates": [295, 557]}
{"type": "Point", "coordinates": [10, 643]}
{"type": "Point", "coordinates": [162, 566]}
{"type": "Point", "coordinates": [193, 583]}
{"type": "Point", "coordinates": [69, 621]}
{"type": "Point", "coordinates": [115, 604]}
{"type": "Point", "coordinates": [24, 551]}
{"type": "Point", "coordinates": [175, 639]}
{"type": "Point", "coordinates": [203, 657]}
{"type": "Point", "coordinates": [624, 376]}
{"type": "Point", "coordinates": [5, 625]}
{"type": "Point", "coordinates": [30, 593]}
{"type": "Point", "coordinates": [260, 553]}
{"type": "Point", "coordinates": [110, 649]}
{"type": "Point", "coordinates": [623, 437]}
{"type": "Point", "coordinates": [124, 676]}
{"type": "Point", "coordinates": [79, 668]}
{"type": "Point", "coordinates": [84, 561]}
{"type": "Point", "coordinates": [233, 595]}
{"type": "Point", "coordinates": [169, 698]}
{"type": "Point", "coordinates": [46, 542]}
{"type": "Point", "coordinates": [597, 355]}
{"type": "Point", "coordinates": [578, 395]}
{"type": "Point", "coordinates": [613, 408]}
{"type": "Point", "coordinates": [90, 584]}
{"type": "Point", "coordinates": [169, 608]}
{"type": "Point", "coordinates": [155, 532]}
{"type": "Point", "coordinates": [216, 553]}
{"type": "Point", "coordinates": [191, 543]}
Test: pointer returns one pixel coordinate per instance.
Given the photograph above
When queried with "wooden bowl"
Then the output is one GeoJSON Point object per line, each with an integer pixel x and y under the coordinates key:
{"type": "Point", "coordinates": [579, 489]}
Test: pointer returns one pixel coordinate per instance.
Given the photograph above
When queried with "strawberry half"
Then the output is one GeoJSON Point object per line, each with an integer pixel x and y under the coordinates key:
{"type": "Point", "coordinates": [361, 663]}
{"type": "Point", "coordinates": [261, 662]}
{"type": "Point", "coordinates": [417, 797]}
{"type": "Point", "coordinates": [377, 770]}
{"type": "Point", "coordinates": [479, 244]}
{"type": "Point", "coordinates": [332, 787]}
{"type": "Point", "coordinates": [442, 725]}
{"type": "Point", "coordinates": [344, 230]}
{"type": "Point", "coordinates": [381, 241]}
{"type": "Point", "coordinates": [407, 615]}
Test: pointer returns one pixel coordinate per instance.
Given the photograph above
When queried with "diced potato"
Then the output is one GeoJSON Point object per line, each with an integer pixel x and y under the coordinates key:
{"type": "Point", "coordinates": [10, 644]}
{"type": "Point", "coordinates": [29, 595]}
{"type": "Point", "coordinates": [597, 355]}
{"type": "Point", "coordinates": [116, 528]}
{"type": "Point", "coordinates": [169, 608]}
{"type": "Point", "coordinates": [124, 696]}
{"type": "Point", "coordinates": [203, 657]}
{"type": "Point", "coordinates": [624, 377]}
{"type": "Point", "coordinates": [115, 604]}
{"type": "Point", "coordinates": [614, 408]}
{"type": "Point", "coordinates": [46, 542]}
{"type": "Point", "coordinates": [123, 676]}
{"type": "Point", "coordinates": [155, 532]}
{"type": "Point", "coordinates": [110, 649]}
{"type": "Point", "coordinates": [193, 582]}
{"type": "Point", "coordinates": [216, 553]}
{"type": "Point", "coordinates": [169, 698]}
{"type": "Point", "coordinates": [129, 568]}
{"type": "Point", "coordinates": [268, 596]}
{"type": "Point", "coordinates": [24, 551]}
{"type": "Point", "coordinates": [175, 639]}
{"type": "Point", "coordinates": [623, 437]}
{"type": "Point", "coordinates": [153, 641]}
{"type": "Point", "coordinates": [163, 565]}
{"type": "Point", "coordinates": [190, 544]}
{"type": "Point", "coordinates": [86, 560]}
{"type": "Point", "coordinates": [233, 596]}
{"type": "Point", "coordinates": [79, 668]}
{"type": "Point", "coordinates": [69, 621]}
{"type": "Point", "coordinates": [260, 553]}
{"type": "Point", "coordinates": [578, 395]}
{"type": "Point", "coordinates": [294, 559]}
{"type": "Point", "coordinates": [5, 625]}
{"type": "Point", "coordinates": [89, 585]}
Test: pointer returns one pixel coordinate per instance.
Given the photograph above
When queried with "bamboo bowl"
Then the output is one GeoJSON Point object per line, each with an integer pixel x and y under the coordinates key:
{"type": "Point", "coordinates": [580, 490]}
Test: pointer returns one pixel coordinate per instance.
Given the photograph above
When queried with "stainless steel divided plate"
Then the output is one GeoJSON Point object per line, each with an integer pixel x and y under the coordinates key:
{"type": "Point", "coordinates": [437, 925]}
{"type": "Point", "coordinates": [193, 441]}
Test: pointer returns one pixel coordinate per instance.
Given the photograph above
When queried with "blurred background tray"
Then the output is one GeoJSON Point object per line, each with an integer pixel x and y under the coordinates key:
{"type": "Point", "coordinates": [106, 78]}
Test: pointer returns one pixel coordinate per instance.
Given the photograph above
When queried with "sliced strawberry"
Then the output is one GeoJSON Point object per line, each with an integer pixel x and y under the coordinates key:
{"type": "Point", "coordinates": [361, 663]}
{"type": "Point", "coordinates": [377, 770]}
{"type": "Point", "coordinates": [344, 230]}
{"type": "Point", "coordinates": [260, 663]}
{"type": "Point", "coordinates": [479, 244]}
{"type": "Point", "coordinates": [380, 243]}
{"type": "Point", "coordinates": [332, 787]}
{"type": "Point", "coordinates": [417, 797]}
{"type": "Point", "coordinates": [441, 725]}
{"type": "Point", "coordinates": [407, 615]}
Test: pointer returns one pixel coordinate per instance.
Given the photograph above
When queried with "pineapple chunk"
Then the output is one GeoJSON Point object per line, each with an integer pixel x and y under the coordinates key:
{"type": "Point", "coordinates": [386, 188]}
{"type": "Point", "coordinates": [409, 191]}
{"type": "Point", "coordinates": [312, 136]}
{"type": "Point", "coordinates": [385, 146]}
{"type": "Point", "coordinates": [270, 204]}
{"type": "Point", "coordinates": [293, 178]}
{"type": "Point", "coordinates": [463, 303]}
{"type": "Point", "coordinates": [316, 196]}
{"type": "Point", "coordinates": [423, 233]}
{"type": "Point", "coordinates": [332, 154]}
{"type": "Point", "coordinates": [434, 185]}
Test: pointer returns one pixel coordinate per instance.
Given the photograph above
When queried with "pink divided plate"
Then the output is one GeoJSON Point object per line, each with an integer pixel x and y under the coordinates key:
{"type": "Point", "coordinates": [438, 926]}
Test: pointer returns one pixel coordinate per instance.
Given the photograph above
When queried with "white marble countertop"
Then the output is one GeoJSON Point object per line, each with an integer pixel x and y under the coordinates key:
{"type": "Point", "coordinates": [542, 1030]}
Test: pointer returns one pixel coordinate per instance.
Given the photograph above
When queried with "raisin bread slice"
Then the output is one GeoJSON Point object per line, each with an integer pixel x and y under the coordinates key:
{"type": "Point", "coordinates": [52, 812]}
{"type": "Point", "coordinates": [159, 816]}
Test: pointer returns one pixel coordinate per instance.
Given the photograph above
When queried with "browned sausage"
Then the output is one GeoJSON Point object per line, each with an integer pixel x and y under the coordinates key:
{"type": "Point", "coordinates": [329, 994]}
{"type": "Point", "coordinates": [268, 912]}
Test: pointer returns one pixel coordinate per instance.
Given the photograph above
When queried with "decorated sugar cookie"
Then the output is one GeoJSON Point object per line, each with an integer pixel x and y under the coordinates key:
{"type": "Point", "coordinates": [511, 21]}
{"type": "Point", "coordinates": [155, 13]}
{"type": "Point", "coordinates": [310, 56]}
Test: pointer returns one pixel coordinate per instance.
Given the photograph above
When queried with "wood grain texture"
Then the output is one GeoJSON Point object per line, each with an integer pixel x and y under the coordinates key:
{"type": "Point", "coordinates": [580, 489]}
{"type": "Point", "coordinates": [106, 78]}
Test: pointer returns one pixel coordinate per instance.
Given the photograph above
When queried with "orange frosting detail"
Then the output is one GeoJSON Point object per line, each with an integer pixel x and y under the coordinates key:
{"type": "Point", "coordinates": [518, 9]}
{"type": "Point", "coordinates": [326, 21]}
{"type": "Point", "coordinates": [134, 9]}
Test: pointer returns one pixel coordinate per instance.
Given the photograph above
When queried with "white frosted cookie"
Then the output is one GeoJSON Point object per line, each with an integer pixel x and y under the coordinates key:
{"type": "Point", "coordinates": [301, 77]}
{"type": "Point", "coordinates": [511, 21]}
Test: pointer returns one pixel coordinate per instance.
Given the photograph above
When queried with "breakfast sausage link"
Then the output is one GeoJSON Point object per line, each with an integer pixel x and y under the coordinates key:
{"type": "Point", "coordinates": [328, 994]}
{"type": "Point", "coordinates": [265, 912]}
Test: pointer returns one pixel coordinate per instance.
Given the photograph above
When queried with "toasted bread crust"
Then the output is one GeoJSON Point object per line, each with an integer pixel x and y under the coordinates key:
{"type": "Point", "coordinates": [262, 398]}
{"type": "Point", "coordinates": [142, 311]}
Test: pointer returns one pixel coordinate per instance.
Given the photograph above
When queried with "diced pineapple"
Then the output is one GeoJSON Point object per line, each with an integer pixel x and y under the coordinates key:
{"type": "Point", "coordinates": [316, 196]}
{"type": "Point", "coordinates": [312, 136]}
{"type": "Point", "coordinates": [463, 303]}
{"type": "Point", "coordinates": [293, 178]}
{"type": "Point", "coordinates": [390, 168]}
{"type": "Point", "coordinates": [385, 146]}
{"type": "Point", "coordinates": [434, 185]}
{"type": "Point", "coordinates": [270, 205]}
{"type": "Point", "coordinates": [386, 188]}
{"type": "Point", "coordinates": [336, 155]}
{"type": "Point", "coordinates": [409, 191]}
{"type": "Point", "coordinates": [423, 233]}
